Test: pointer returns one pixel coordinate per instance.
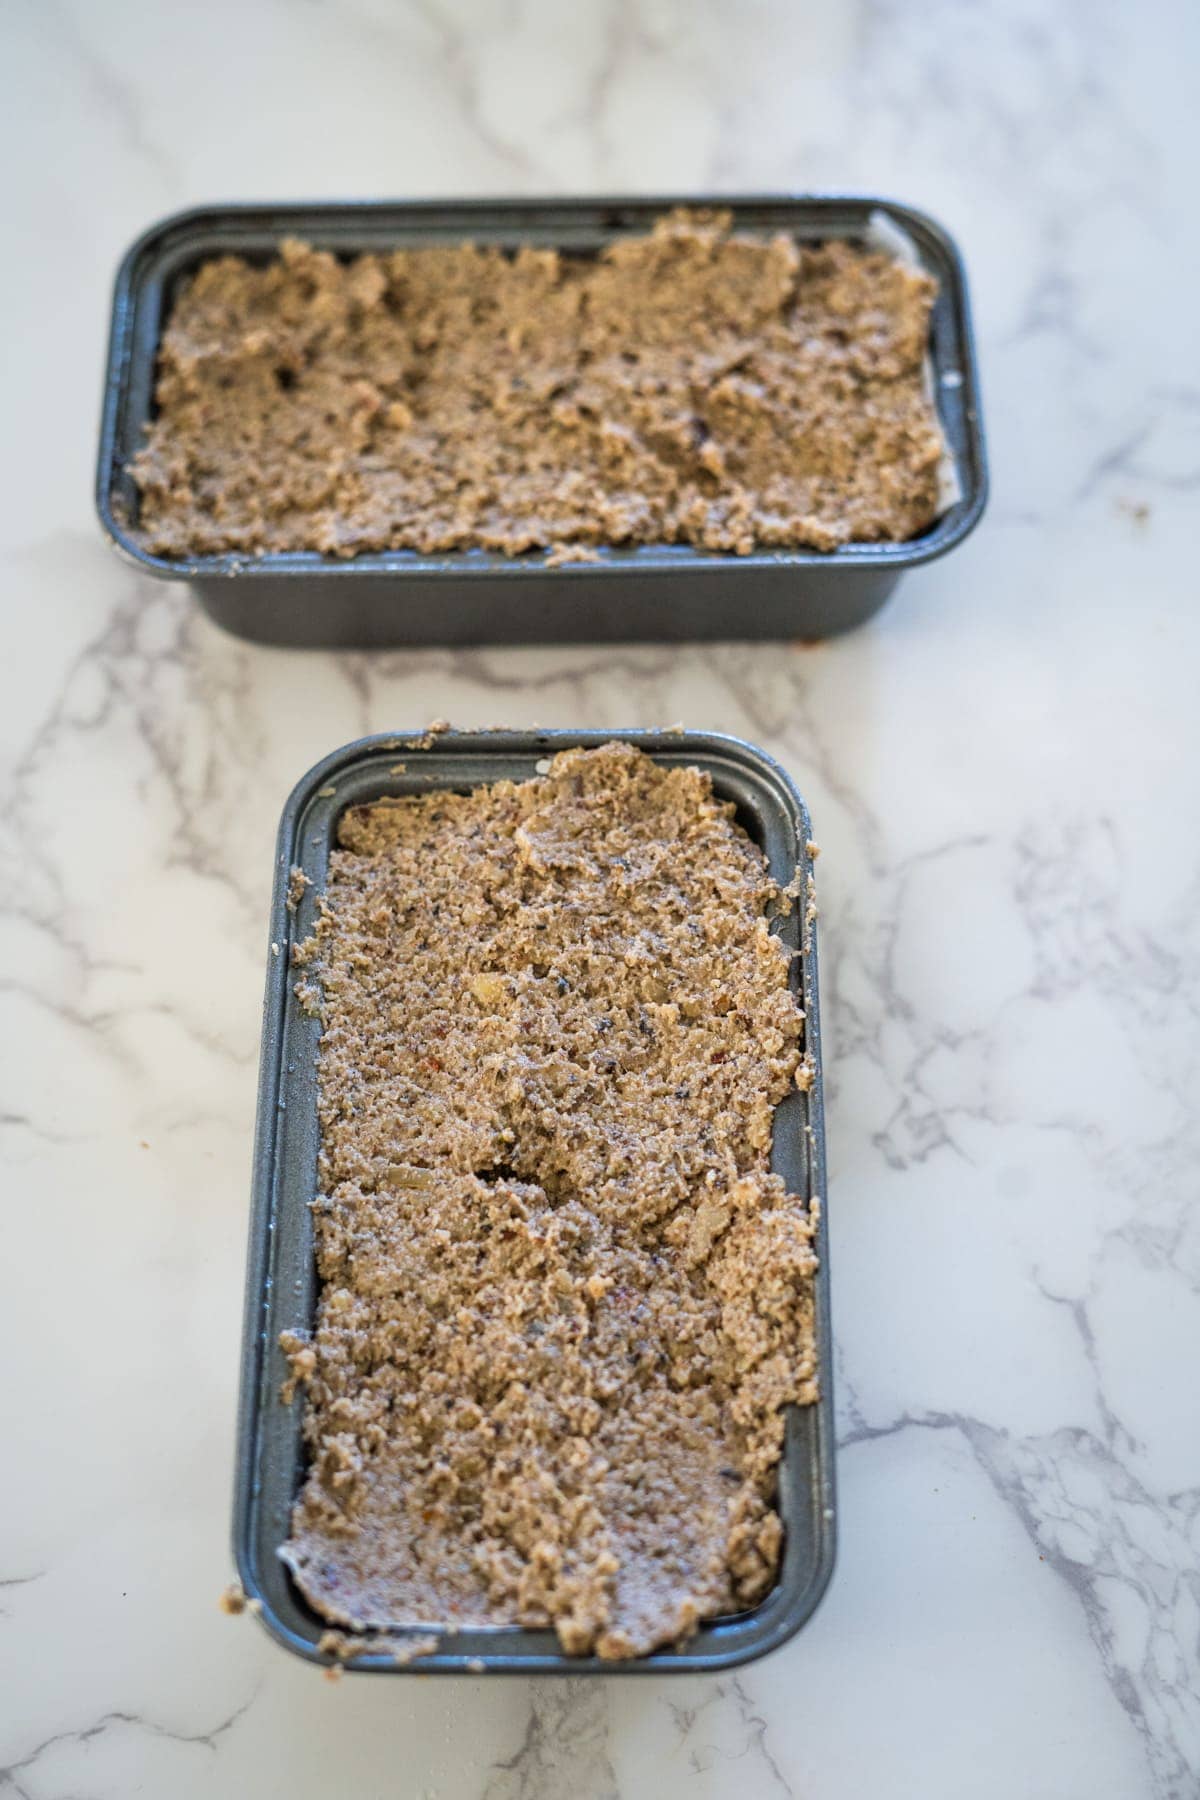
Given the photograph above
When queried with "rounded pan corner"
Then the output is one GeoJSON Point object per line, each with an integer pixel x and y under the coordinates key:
{"type": "Point", "coordinates": [959, 523]}
{"type": "Point", "coordinates": [924, 225]}
{"type": "Point", "coordinates": [761, 763]}
{"type": "Point", "coordinates": [256, 1592]}
{"type": "Point", "coordinates": [187, 220]}
{"type": "Point", "coordinates": [119, 540]}
{"type": "Point", "coordinates": [764, 1641]}
{"type": "Point", "coordinates": [305, 790]}
{"type": "Point", "coordinates": [973, 509]}
{"type": "Point", "coordinates": [279, 1630]}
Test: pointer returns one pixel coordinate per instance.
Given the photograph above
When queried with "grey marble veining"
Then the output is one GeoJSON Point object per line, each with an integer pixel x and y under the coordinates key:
{"type": "Point", "coordinates": [1003, 776]}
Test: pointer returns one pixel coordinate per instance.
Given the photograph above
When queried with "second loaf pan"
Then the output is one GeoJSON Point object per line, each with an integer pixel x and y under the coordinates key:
{"type": "Point", "coordinates": [281, 1288]}
{"type": "Point", "coordinates": [654, 592]}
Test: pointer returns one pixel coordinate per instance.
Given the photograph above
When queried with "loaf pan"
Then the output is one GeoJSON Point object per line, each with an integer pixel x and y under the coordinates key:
{"type": "Point", "coordinates": [281, 1279]}
{"type": "Point", "coordinates": [662, 592]}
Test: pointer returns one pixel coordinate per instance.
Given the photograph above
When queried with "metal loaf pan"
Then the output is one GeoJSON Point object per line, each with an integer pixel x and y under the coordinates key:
{"type": "Point", "coordinates": [663, 592]}
{"type": "Point", "coordinates": [281, 1278]}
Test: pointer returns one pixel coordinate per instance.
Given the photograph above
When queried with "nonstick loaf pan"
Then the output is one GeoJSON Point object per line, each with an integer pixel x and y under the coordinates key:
{"type": "Point", "coordinates": [664, 592]}
{"type": "Point", "coordinates": [281, 1280]}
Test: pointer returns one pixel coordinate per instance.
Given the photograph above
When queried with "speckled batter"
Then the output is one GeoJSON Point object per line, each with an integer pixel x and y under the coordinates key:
{"type": "Point", "coordinates": [563, 1298]}
{"type": "Point", "coordinates": [692, 385]}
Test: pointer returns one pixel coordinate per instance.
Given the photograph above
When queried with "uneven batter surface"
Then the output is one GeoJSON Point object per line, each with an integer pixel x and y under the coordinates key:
{"type": "Point", "coordinates": [563, 1299]}
{"type": "Point", "coordinates": [693, 385]}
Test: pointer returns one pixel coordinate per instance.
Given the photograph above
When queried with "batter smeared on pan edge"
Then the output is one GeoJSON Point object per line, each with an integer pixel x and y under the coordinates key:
{"type": "Point", "coordinates": [563, 1298]}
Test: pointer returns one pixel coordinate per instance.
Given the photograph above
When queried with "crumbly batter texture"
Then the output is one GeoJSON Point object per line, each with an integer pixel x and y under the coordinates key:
{"type": "Point", "coordinates": [563, 1298]}
{"type": "Point", "coordinates": [693, 385]}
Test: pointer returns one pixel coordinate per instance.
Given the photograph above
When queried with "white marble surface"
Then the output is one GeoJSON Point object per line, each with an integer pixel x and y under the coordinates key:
{"type": "Point", "coordinates": [1004, 776]}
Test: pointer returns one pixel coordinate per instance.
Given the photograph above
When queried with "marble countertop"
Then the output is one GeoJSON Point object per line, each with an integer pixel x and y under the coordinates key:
{"type": "Point", "coordinates": [1003, 774]}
